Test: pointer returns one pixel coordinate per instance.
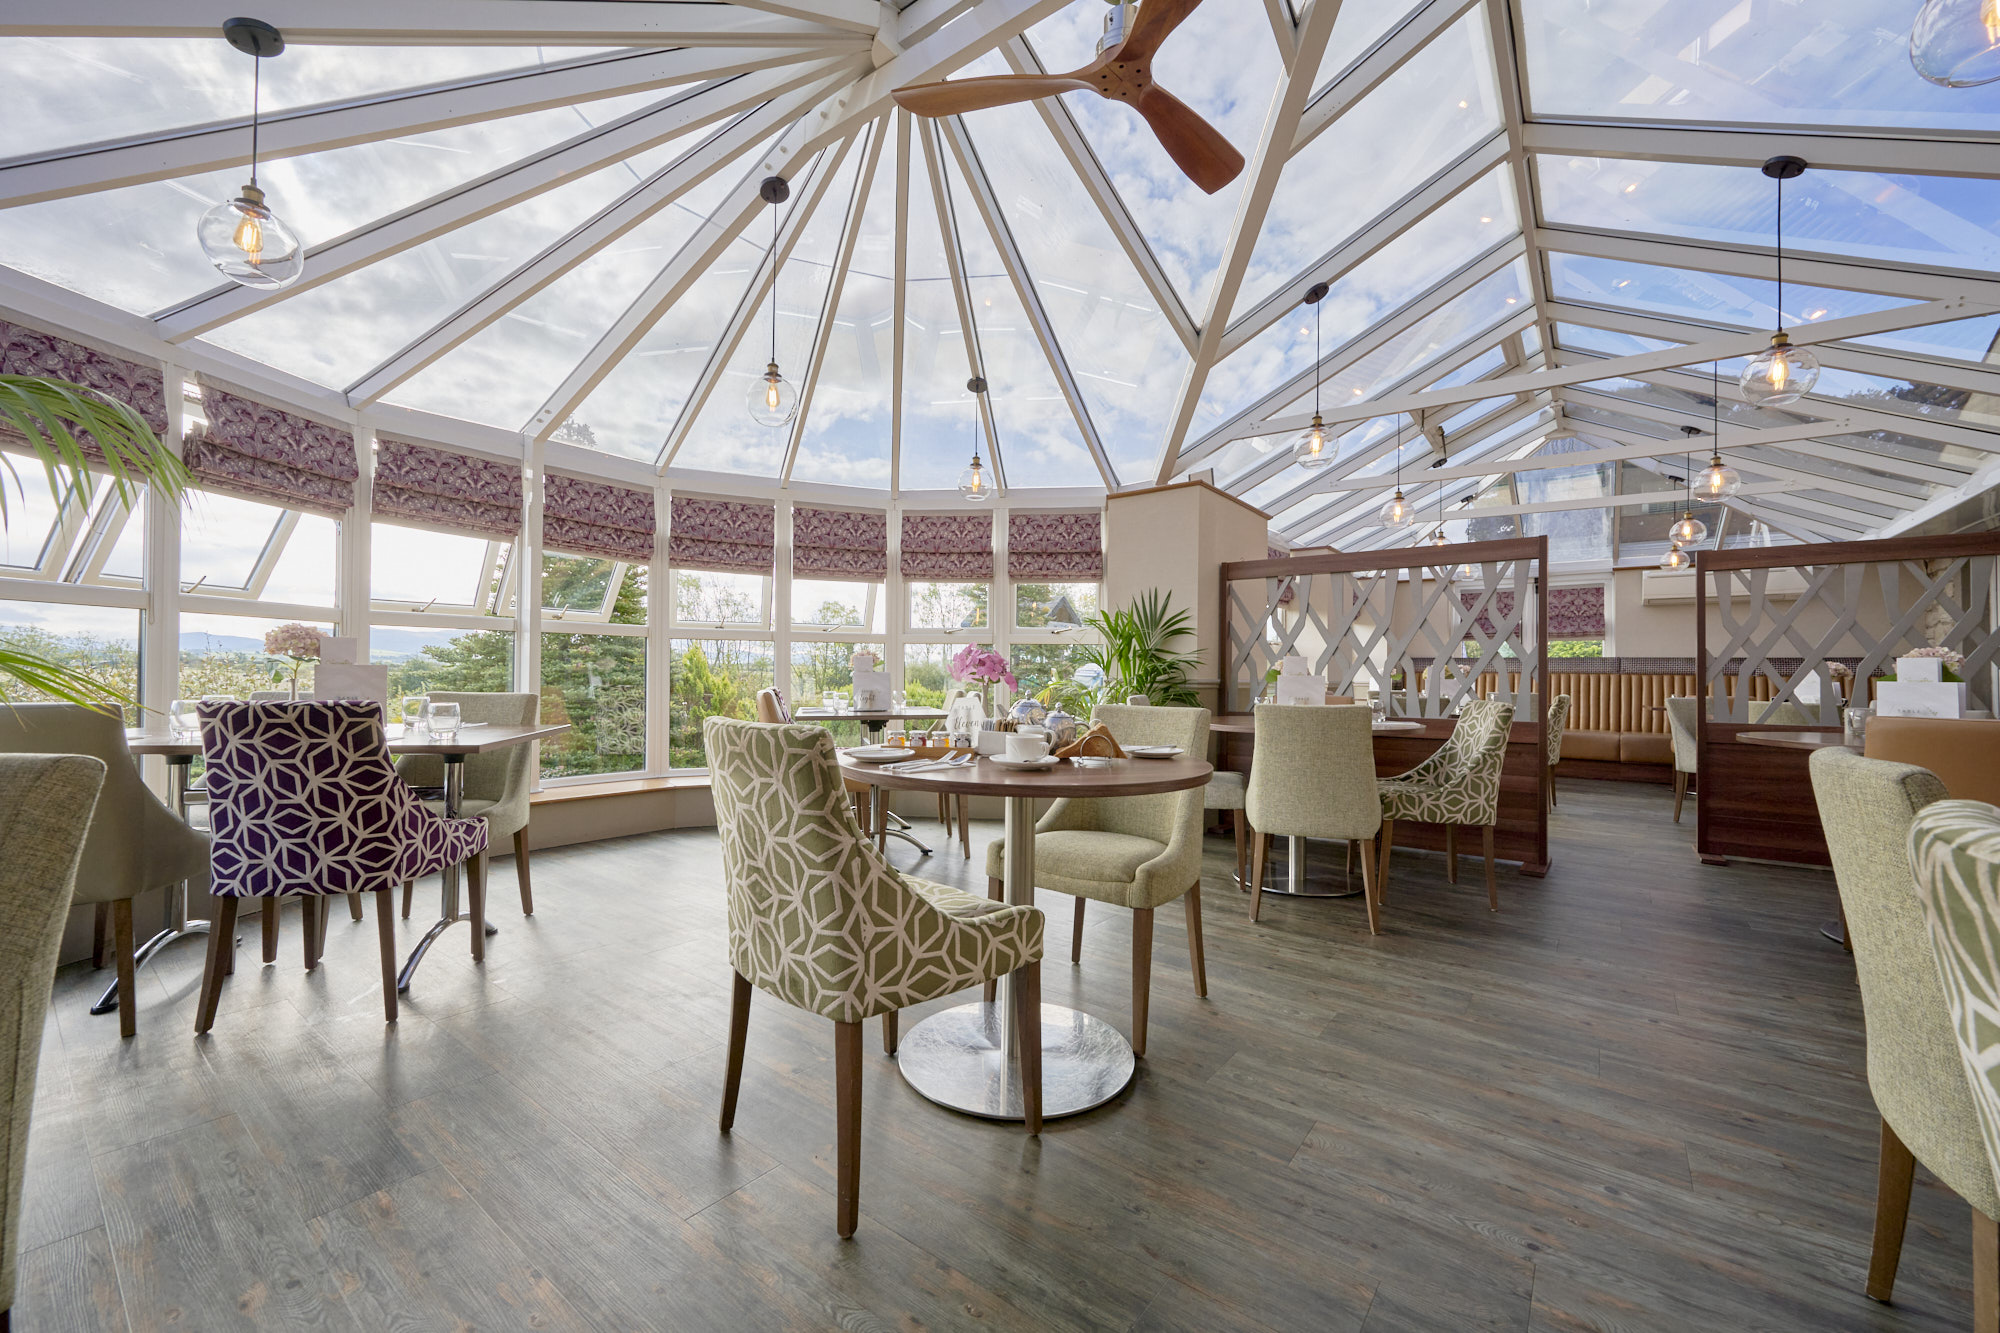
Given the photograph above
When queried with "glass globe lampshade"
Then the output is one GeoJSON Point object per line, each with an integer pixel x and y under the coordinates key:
{"type": "Point", "coordinates": [1717, 481]}
{"type": "Point", "coordinates": [1688, 530]}
{"type": "Point", "coordinates": [1780, 374]}
{"type": "Point", "coordinates": [1314, 450]}
{"type": "Point", "coordinates": [1676, 558]}
{"type": "Point", "coordinates": [973, 485]}
{"type": "Point", "coordinates": [250, 244]}
{"type": "Point", "coordinates": [1438, 537]}
{"type": "Point", "coordinates": [773, 400]}
{"type": "Point", "coordinates": [1398, 512]}
{"type": "Point", "coordinates": [1956, 43]}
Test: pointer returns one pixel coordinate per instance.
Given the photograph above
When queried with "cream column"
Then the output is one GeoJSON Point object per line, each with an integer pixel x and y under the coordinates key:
{"type": "Point", "coordinates": [353, 589]}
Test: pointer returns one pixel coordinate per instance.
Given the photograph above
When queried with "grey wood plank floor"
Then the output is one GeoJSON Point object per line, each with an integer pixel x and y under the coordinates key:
{"type": "Point", "coordinates": [1631, 1100]}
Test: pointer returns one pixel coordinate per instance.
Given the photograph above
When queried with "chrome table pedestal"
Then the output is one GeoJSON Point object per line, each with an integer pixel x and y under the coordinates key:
{"type": "Point", "coordinates": [1296, 885]}
{"type": "Point", "coordinates": [448, 915]}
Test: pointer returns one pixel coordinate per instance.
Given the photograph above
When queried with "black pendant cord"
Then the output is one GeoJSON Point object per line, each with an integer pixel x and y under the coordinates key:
{"type": "Point", "coordinates": [971, 314]}
{"type": "Point", "coordinates": [1781, 254]}
{"type": "Point", "coordinates": [1316, 369]}
{"type": "Point", "coordinates": [256, 98]}
{"type": "Point", "coordinates": [774, 284]}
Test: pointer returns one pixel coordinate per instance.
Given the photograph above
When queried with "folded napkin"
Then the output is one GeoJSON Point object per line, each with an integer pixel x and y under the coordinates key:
{"type": "Point", "coordinates": [1097, 742]}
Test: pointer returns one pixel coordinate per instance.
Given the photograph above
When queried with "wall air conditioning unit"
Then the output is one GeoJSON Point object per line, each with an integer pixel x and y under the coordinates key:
{"type": "Point", "coordinates": [1660, 587]}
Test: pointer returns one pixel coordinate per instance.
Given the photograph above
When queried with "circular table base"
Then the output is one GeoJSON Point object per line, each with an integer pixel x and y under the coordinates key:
{"type": "Point", "coordinates": [1278, 880]}
{"type": "Point", "coordinates": [954, 1058]}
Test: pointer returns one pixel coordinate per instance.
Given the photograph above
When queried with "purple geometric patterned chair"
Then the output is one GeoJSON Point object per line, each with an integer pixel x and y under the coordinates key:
{"type": "Point", "coordinates": [303, 799]}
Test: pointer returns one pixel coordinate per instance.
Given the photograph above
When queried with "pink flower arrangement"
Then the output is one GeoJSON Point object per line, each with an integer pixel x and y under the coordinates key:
{"type": "Point", "coordinates": [298, 642]}
{"type": "Point", "coordinates": [1951, 657]}
{"type": "Point", "coordinates": [982, 665]}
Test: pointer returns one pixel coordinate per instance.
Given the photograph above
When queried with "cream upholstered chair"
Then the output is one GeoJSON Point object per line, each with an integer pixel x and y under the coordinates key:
{"type": "Point", "coordinates": [1314, 777]}
{"type": "Point", "coordinates": [496, 785]}
{"type": "Point", "coordinates": [1140, 852]}
{"type": "Point", "coordinates": [1227, 791]}
{"type": "Point", "coordinates": [1683, 717]}
{"type": "Point", "coordinates": [819, 919]}
{"type": "Point", "coordinates": [1458, 784]}
{"type": "Point", "coordinates": [136, 843]}
{"type": "Point", "coordinates": [1782, 715]}
{"type": "Point", "coordinates": [1867, 807]}
{"type": "Point", "coordinates": [1558, 718]}
{"type": "Point", "coordinates": [45, 811]}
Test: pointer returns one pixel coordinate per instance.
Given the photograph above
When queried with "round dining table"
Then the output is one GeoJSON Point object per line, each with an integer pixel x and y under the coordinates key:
{"type": "Point", "coordinates": [966, 1057]}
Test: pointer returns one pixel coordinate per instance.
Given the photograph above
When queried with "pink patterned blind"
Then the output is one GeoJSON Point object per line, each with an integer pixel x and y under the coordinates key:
{"type": "Point", "coordinates": [596, 518]}
{"type": "Point", "coordinates": [420, 486]}
{"type": "Point", "coordinates": [1287, 594]}
{"type": "Point", "coordinates": [26, 351]}
{"type": "Point", "coordinates": [723, 536]}
{"type": "Point", "coordinates": [267, 454]}
{"type": "Point", "coordinates": [840, 544]}
{"type": "Point", "coordinates": [1574, 613]}
{"type": "Point", "coordinates": [1063, 548]}
{"type": "Point", "coordinates": [954, 547]}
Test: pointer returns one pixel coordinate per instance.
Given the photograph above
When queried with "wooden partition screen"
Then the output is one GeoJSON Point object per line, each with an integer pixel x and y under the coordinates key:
{"type": "Point", "coordinates": [1767, 665]}
{"type": "Point", "coordinates": [1424, 630]}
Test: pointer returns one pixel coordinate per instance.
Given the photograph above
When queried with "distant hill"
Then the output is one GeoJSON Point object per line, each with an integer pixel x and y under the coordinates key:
{"type": "Point", "coordinates": [385, 645]}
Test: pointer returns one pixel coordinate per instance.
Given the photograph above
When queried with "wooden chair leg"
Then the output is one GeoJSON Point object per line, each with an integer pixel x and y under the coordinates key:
{"type": "Point", "coordinates": [889, 1032]}
{"type": "Point", "coordinates": [1552, 787]}
{"type": "Point", "coordinates": [1142, 975]}
{"type": "Point", "coordinates": [1196, 958]}
{"type": "Point", "coordinates": [882, 821]}
{"type": "Point", "coordinates": [385, 927]}
{"type": "Point", "coordinates": [325, 918]}
{"type": "Point", "coordinates": [1028, 1031]}
{"type": "Point", "coordinates": [354, 907]}
{"type": "Point", "coordinates": [221, 943]}
{"type": "Point", "coordinates": [1368, 888]}
{"type": "Point", "coordinates": [1076, 936]}
{"type": "Point", "coordinates": [965, 826]}
{"type": "Point", "coordinates": [1894, 1175]}
{"type": "Point", "coordinates": [996, 889]}
{"type": "Point", "coordinates": [99, 926]}
{"type": "Point", "coordinates": [521, 872]}
{"type": "Point", "coordinates": [409, 892]}
{"type": "Point", "coordinates": [1242, 851]}
{"type": "Point", "coordinates": [269, 920]}
{"type": "Point", "coordinates": [1985, 1273]}
{"type": "Point", "coordinates": [1451, 853]}
{"type": "Point", "coordinates": [475, 884]}
{"type": "Point", "coordinates": [739, 1031]}
{"type": "Point", "coordinates": [1680, 793]}
{"type": "Point", "coordinates": [1492, 890]}
{"type": "Point", "coordinates": [121, 948]}
{"type": "Point", "coordinates": [1382, 870]}
{"type": "Point", "coordinates": [309, 910]}
{"type": "Point", "coordinates": [847, 1126]}
{"type": "Point", "coordinates": [1260, 855]}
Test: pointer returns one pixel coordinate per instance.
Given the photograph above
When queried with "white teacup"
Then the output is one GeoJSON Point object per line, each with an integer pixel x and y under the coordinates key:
{"type": "Point", "coordinates": [1025, 745]}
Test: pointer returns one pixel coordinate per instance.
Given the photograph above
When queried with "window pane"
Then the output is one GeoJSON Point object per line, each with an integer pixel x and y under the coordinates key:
{"type": "Point", "coordinates": [948, 605]}
{"type": "Point", "coordinates": [581, 585]}
{"type": "Point", "coordinates": [101, 642]}
{"type": "Point", "coordinates": [597, 684]}
{"type": "Point", "coordinates": [415, 567]}
{"type": "Point", "coordinates": [225, 655]}
{"type": "Point", "coordinates": [1037, 605]}
{"type": "Point", "coordinates": [223, 539]}
{"type": "Point", "coordinates": [31, 515]}
{"type": "Point", "coordinates": [705, 598]}
{"type": "Point", "coordinates": [1040, 665]}
{"type": "Point", "coordinates": [837, 605]}
{"type": "Point", "coordinates": [423, 659]}
{"type": "Point", "coordinates": [818, 668]}
{"type": "Point", "coordinates": [127, 559]}
{"type": "Point", "coordinates": [712, 678]}
{"type": "Point", "coordinates": [926, 673]}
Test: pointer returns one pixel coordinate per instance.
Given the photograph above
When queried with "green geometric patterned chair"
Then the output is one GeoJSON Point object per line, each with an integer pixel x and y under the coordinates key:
{"type": "Point", "coordinates": [1558, 717]}
{"type": "Point", "coordinates": [1458, 784]}
{"type": "Point", "coordinates": [1683, 716]}
{"type": "Point", "coordinates": [820, 920]}
{"type": "Point", "coordinates": [1867, 807]}
{"type": "Point", "coordinates": [1955, 858]}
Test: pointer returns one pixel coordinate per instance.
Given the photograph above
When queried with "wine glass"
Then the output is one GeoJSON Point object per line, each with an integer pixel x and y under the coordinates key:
{"type": "Point", "coordinates": [444, 720]}
{"type": "Point", "coordinates": [183, 719]}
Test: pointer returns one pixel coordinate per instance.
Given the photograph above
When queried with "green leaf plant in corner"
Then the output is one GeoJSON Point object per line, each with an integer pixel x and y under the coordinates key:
{"type": "Point", "coordinates": [1136, 654]}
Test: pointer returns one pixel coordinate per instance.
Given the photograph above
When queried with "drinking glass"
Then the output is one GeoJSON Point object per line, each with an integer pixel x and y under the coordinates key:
{"type": "Point", "coordinates": [444, 720]}
{"type": "Point", "coordinates": [413, 712]}
{"type": "Point", "coordinates": [1854, 725]}
{"type": "Point", "coordinates": [182, 718]}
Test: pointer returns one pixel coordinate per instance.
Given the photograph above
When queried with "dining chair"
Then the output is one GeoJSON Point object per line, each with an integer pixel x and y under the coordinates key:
{"type": "Point", "coordinates": [1229, 791]}
{"type": "Point", "coordinates": [1683, 718]}
{"type": "Point", "coordinates": [45, 814]}
{"type": "Point", "coordinates": [1314, 777]}
{"type": "Point", "coordinates": [304, 801]}
{"type": "Point", "coordinates": [771, 708]}
{"type": "Point", "coordinates": [1140, 852]}
{"type": "Point", "coordinates": [819, 919]}
{"type": "Point", "coordinates": [1868, 807]}
{"type": "Point", "coordinates": [136, 843]}
{"type": "Point", "coordinates": [1558, 718]}
{"type": "Point", "coordinates": [1458, 784]}
{"type": "Point", "coordinates": [495, 786]}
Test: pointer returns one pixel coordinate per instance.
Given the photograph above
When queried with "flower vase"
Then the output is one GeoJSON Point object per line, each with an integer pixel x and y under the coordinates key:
{"type": "Point", "coordinates": [295, 689]}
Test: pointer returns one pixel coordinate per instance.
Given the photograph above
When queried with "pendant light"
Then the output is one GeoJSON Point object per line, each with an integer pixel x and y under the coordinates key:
{"type": "Point", "coordinates": [1718, 481]}
{"type": "Point", "coordinates": [1781, 373]}
{"type": "Point", "coordinates": [773, 399]}
{"type": "Point", "coordinates": [1956, 43]}
{"type": "Point", "coordinates": [973, 485]}
{"type": "Point", "coordinates": [1398, 513]}
{"type": "Point", "coordinates": [1314, 450]}
{"type": "Point", "coordinates": [1676, 559]}
{"type": "Point", "coordinates": [1688, 530]}
{"type": "Point", "coordinates": [242, 237]}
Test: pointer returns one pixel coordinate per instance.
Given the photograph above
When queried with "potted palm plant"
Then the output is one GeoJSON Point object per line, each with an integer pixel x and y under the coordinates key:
{"type": "Point", "coordinates": [1136, 655]}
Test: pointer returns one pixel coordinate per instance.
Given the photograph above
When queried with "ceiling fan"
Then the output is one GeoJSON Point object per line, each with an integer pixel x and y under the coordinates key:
{"type": "Point", "coordinates": [1122, 72]}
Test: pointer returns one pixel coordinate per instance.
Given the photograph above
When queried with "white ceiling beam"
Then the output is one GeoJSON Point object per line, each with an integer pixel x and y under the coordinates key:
{"type": "Point", "coordinates": [921, 19]}
{"type": "Point", "coordinates": [1511, 96]}
{"type": "Point", "coordinates": [1083, 160]}
{"type": "Point", "coordinates": [944, 205]}
{"type": "Point", "coordinates": [1380, 61]}
{"type": "Point", "coordinates": [1756, 456]}
{"type": "Point", "coordinates": [988, 203]}
{"type": "Point", "coordinates": [899, 303]}
{"type": "Point", "coordinates": [454, 22]}
{"type": "Point", "coordinates": [1906, 152]}
{"type": "Point", "coordinates": [1274, 147]}
{"type": "Point", "coordinates": [1284, 30]}
{"type": "Point", "coordinates": [1944, 502]}
{"type": "Point", "coordinates": [114, 164]}
{"type": "Point", "coordinates": [600, 230]}
{"type": "Point", "coordinates": [488, 194]}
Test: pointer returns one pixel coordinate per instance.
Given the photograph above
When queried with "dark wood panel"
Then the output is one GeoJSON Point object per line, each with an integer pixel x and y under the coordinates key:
{"type": "Point", "coordinates": [1757, 800]}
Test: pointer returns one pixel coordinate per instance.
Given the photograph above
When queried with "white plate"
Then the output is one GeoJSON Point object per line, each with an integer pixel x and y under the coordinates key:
{"type": "Point", "coordinates": [878, 754]}
{"type": "Point", "coordinates": [1046, 761]}
{"type": "Point", "coordinates": [1154, 751]}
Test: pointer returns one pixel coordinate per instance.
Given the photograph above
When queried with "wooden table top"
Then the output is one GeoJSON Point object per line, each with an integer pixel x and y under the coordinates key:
{"type": "Point", "coordinates": [1245, 724]}
{"type": "Point", "coordinates": [1122, 777]}
{"type": "Point", "coordinates": [1798, 740]}
{"type": "Point", "coordinates": [470, 740]}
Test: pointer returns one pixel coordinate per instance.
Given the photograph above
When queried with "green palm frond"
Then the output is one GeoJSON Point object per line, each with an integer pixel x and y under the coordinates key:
{"type": "Point", "coordinates": [1137, 655]}
{"type": "Point", "coordinates": [40, 675]}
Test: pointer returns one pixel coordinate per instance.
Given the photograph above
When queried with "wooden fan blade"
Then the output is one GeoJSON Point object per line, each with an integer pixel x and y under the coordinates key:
{"type": "Point", "coordinates": [1196, 146]}
{"type": "Point", "coordinates": [1156, 19]}
{"type": "Point", "coordinates": [960, 95]}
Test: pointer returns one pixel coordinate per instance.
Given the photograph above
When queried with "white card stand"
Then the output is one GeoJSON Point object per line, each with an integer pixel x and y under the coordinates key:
{"type": "Point", "coordinates": [1919, 698]}
{"type": "Point", "coordinates": [1302, 690]}
{"type": "Point", "coordinates": [1920, 670]}
{"type": "Point", "coordinates": [867, 683]}
{"type": "Point", "coordinates": [352, 680]}
{"type": "Point", "coordinates": [340, 652]}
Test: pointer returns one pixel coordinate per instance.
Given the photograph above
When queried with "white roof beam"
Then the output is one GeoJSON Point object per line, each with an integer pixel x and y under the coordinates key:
{"type": "Point", "coordinates": [1943, 503]}
{"type": "Point", "coordinates": [1907, 152]}
{"type": "Point", "coordinates": [899, 302]}
{"type": "Point", "coordinates": [1755, 456]}
{"type": "Point", "coordinates": [1508, 90]}
{"type": "Point", "coordinates": [455, 22]}
{"type": "Point", "coordinates": [945, 206]}
{"type": "Point", "coordinates": [1378, 63]}
{"type": "Point", "coordinates": [1284, 29]}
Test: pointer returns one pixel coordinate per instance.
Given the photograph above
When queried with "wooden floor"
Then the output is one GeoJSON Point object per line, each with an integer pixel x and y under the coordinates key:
{"type": "Point", "coordinates": [1631, 1100]}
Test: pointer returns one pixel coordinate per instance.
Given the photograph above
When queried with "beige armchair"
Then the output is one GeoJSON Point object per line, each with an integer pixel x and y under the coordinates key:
{"type": "Point", "coordinates": [1683, 720]}
{"type": "Point", "coordinates": [1140, 852]}
{"type": "Point", "coordinates": [1314, 777]}
{"type": "Point", "coordinates": [136, 843]}
{"type": "Point", "coordinates": [497, 785]}
{"type": "Point", "coordinates": [45, 811]}
{"type": "Point", "coordinates": [1867, 807]}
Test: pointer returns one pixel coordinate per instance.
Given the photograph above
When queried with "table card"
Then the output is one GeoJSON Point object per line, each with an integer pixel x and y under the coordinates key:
{"type": "Point", "coordinates": [349, 680]}
{"type": "Point", "coordinates": [1919, 698]}
{"type": "Point", "coordinates": [1919, 670]}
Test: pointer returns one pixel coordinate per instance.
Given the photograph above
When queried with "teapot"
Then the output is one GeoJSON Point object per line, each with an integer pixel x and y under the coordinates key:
{"type": "Point", "coordinates": [1063, 729]}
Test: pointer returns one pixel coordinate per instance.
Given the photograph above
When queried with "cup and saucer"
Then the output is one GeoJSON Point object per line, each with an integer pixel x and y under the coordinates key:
{"type": "Point", "coordinates": [1026, 750]}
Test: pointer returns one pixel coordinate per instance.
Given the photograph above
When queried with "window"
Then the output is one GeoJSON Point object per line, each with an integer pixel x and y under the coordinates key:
{"type": "Point", "coordinates": [87, 536]}
{"type": "Point", "coordinates": [711, 678]}
{"type": "Point", "coordinates": [702, 597]}
{"type": "Point", "coordinates": [224, 655]}
{"type": "Point", "coordinates": [1053, 605]}
{"type": "Point", "coordinates": [1040, 666]}
{"type": "Point", "coordinates": [927, 673]}
{"type": "Point", "coordinates": [422, 659]}
{"type": "Point", "coordinates": [585, 587]}
{"type": "Point", "coordinates": [823, 604]}
{"type": "Point", "coordinates": [101, 642]}
{"type": "Point", "coordinates": [597, 684]}
{"type": "Point", "coordinates": [256, 552]}
{"type": "Point", "coordinates": [822, 667]}
{"type": "Point", "coordinates": [415, 569]}
{"type": "Point", "coordinates": [948, 607]}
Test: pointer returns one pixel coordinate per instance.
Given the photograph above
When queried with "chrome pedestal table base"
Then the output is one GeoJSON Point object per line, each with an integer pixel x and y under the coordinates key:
{"type": "Point", "coordinates": [448, 914]}
{"type": "Point", "coordinates": [1296, 885]}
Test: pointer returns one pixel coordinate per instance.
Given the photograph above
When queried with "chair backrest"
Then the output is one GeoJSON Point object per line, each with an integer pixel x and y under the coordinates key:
{"type": "Point", "coordinates": [46, 802]}
{"type": "Point", "coordinates": [771, 706]}
{"type": "Point", "coordinates": [506, 776]}
{"type": "Point", "coordinates": [817, 916]}
{"type": "Point", "coordinates": [1782, 715]}
{"type": "Point", "coordinates": [270, 696]}
{"type": "Point", "coordinates": [1154, 817]}
{"type": "Point", "coordinates": [303, 799]}
{"type": "Point", "coordinates": [1867, 807]}
{"type": "Point", "coordinates": [1683, 716]}
{"type": "Point", "coordinates": [1558, 715]}
{"type": "Point", "coordinates": [1312, 773]}
{"type": "Point", "coordinates": [136, 843]}
{"type": "Point", "coordinates": [1470, 761]}
{"type": "Point", "coordinates": [1955, 859]}
{"type": "Point", "coordinates": [1963, 752]}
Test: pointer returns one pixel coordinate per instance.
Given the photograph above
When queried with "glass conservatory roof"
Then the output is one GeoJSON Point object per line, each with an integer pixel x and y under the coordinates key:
{"type": "Point", "coordinates": [539, 221]}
